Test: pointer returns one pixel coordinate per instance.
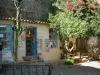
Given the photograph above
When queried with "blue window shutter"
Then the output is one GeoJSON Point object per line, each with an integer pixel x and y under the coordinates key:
{"type": "Point", "coordinates": [35, 41]}
{"type": "Point", "coordinates": [7, 51]}
{"type": "Point", "coordinates": [10, 37]}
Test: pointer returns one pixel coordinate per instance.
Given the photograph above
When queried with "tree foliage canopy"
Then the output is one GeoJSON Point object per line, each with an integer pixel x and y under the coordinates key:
{"type": "Point", "coordinates": [76, 18]}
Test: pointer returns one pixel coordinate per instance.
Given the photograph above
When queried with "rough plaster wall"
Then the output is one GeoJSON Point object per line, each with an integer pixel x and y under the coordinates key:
{"type": "Point", "coordinates": [21, 46]}
{"type": "Point", "coordinates": [21, 43]}
{"type": "Point", "coordinates": [5, 22]}
{"type": "Point", "coordinates": [53, 54]}
{"type": "Point", "coordinates": [42, 33]}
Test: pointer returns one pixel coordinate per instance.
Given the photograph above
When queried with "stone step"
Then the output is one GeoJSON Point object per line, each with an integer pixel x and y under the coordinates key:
{"type": "Point", "coordinates": [32, 59]}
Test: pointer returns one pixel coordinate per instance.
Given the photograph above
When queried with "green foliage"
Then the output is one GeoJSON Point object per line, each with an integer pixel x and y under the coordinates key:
{"type": "Point", "coordinates": [19, 0]}
{"type": "Point", "coordinates": [68, 25]}
{"type": "Point", "coordinates": [69, 61]}
{"type": "Point", "coordinates": [77, 21]}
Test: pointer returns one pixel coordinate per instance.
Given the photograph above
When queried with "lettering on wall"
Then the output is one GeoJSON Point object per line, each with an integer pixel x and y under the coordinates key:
{"type": "Point", "coordinates": [40, 35]}
{"type": "Point", "coordinates": [47, 46]}
{"type": "Point", "coordinates": [50, 43]}
{"type": "Point", "coordinates": [21, 42]}
{"type": "Point", "coordinates": [22, 38]}
{"type": "Point", "coordinates": [40, 43]}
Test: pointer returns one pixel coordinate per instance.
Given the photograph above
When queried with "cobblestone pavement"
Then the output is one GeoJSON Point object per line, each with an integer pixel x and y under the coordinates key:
{"type": "Point", "coordinates": [25, 71]}
{"type": "Point", "coordinates": [58, 70]}
{"type": "Point", "coordinates": [75, 70]}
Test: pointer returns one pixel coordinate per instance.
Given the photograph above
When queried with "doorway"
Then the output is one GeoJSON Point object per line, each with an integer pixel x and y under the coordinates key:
{"type": "Point", "coordinates": [31, 41]}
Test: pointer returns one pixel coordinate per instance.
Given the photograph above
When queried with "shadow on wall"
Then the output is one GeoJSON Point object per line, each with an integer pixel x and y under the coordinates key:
{"type": "Point", "coordinates": [82, 43]}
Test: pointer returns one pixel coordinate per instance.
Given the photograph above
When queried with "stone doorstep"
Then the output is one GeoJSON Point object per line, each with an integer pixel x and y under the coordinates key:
{"type": "Point", "coordinates": [32, 59]}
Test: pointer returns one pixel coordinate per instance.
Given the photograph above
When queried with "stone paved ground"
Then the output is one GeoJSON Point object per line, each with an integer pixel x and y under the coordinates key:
{"type": "Point", "coordinates": [26, 71]}
{"type": "Point", "coordinates": [75, 70]}
{"type": "Point", "coordinates": [91, 68]}
{"type": "Point", "coordinates": [61, 70]}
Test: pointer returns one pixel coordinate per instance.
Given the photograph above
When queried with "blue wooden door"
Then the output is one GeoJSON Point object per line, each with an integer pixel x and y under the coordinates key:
{"type": "Point", "coordinates": [34, 42]}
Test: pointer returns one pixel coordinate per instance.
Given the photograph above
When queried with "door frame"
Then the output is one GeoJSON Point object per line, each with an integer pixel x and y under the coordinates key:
{"type": "Point", "coordinates": [34, 51]}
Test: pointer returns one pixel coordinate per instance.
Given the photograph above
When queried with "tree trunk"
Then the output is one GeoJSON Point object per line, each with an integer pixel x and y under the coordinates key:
{"type": "Point", "coordinates": [16, 30]}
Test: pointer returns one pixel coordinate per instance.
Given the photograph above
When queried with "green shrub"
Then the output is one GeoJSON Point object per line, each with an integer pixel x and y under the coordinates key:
{"type": "Point", "coordinates": [69, 61]}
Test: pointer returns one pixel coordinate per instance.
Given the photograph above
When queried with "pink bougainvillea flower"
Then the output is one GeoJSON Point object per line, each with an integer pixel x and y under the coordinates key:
{"type": "Point", "coordinates": [93, 6]}
{"type": "Point", "coordinates": [87, 3]}
{"type": "Point", "coordinates": [65, 4]}
{"type": "Point", "coordinates": [72, 8]}
{"type": "Point", "coordinates": [81, 2]}
{"type": "Point", "coordinates": [70, 2]}
{"type": "Point", "coordinates": [96, 3]}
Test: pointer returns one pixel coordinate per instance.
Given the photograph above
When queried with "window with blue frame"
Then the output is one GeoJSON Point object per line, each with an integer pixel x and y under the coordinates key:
{"type": "Point", "coordinates": [53, 39]}
{"type": "Point", "coordinates": [6, 36]}
{"type": "Point", "coordinates": [6, 40]}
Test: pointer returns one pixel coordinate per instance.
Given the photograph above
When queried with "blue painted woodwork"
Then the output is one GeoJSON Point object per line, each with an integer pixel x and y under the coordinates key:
{"type": "Point", "coordinates": [7, 51]}
{"type": "Point", "coordinates": [10, 37]}
{"type": "Point", "coordinates": [34, 44]}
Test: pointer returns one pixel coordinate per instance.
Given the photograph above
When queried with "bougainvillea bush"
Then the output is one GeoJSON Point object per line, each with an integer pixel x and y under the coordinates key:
{"type": "Point", "coordinates": [76, 18]}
